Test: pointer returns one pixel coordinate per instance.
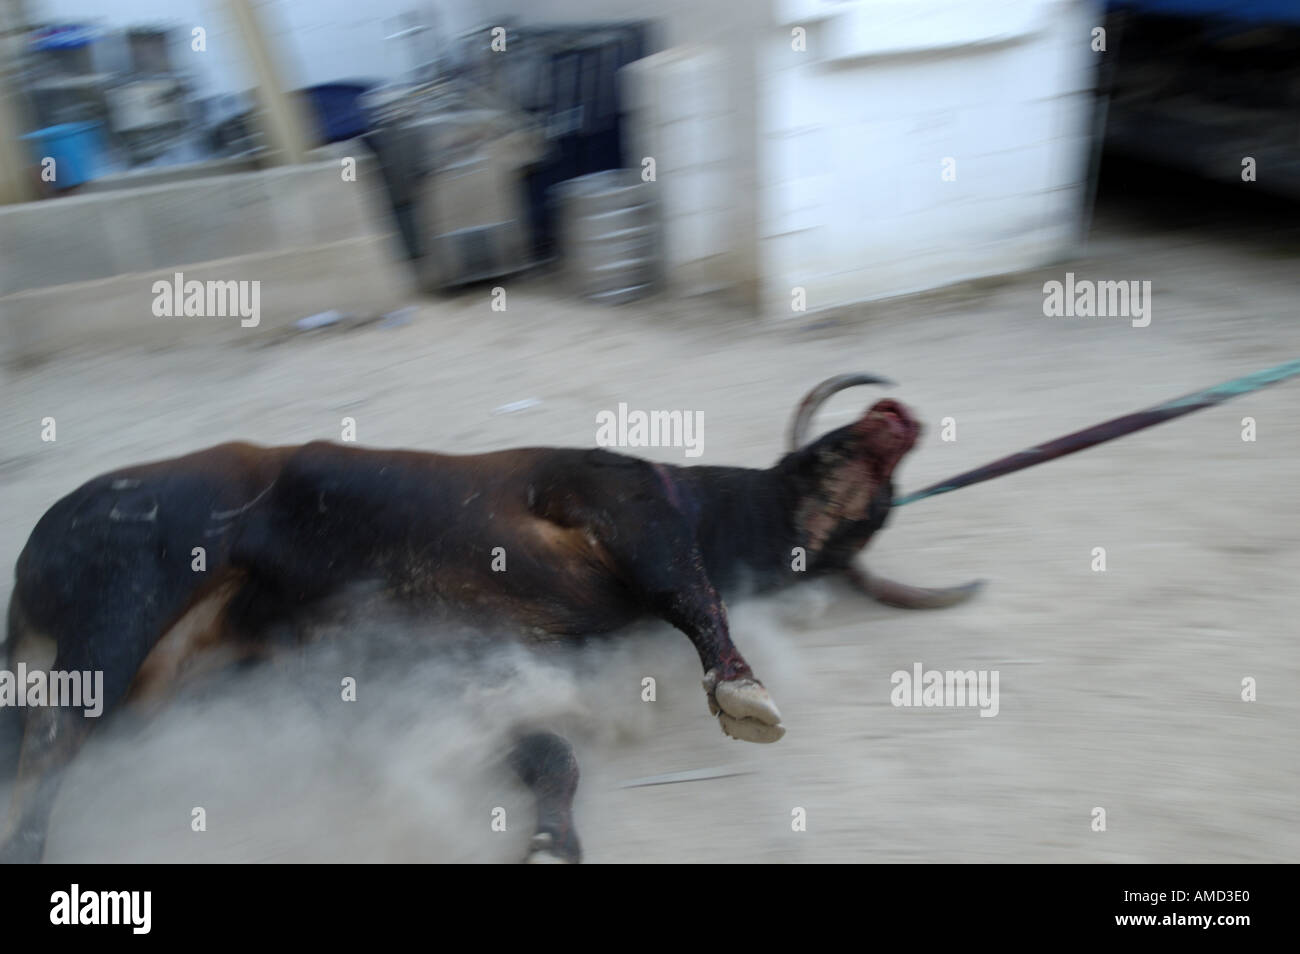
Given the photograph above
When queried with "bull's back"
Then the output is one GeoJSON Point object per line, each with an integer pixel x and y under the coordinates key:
{"type": "Point", "coordinates": [110, 566]}
{"type": "Point", "coordinates": [461, 531]}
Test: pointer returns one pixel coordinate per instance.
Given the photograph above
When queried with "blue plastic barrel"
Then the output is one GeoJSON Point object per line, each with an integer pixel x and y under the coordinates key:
{"type": "Point", "coordinates": [76, 148]}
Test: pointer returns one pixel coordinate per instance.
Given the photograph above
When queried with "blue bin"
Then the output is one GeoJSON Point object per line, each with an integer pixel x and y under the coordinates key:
{"type": "Point", "coordinates": [338, 109]}
{"type": "Point", "coordinates": [76, 148]}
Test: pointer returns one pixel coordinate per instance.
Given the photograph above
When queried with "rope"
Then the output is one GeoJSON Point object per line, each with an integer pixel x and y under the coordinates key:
{"type": "Point", "coordinates": [1109, 430]}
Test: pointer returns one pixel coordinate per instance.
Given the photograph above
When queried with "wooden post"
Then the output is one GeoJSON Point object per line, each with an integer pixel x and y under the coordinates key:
{"type": "Point", "coordinates": [16, 182]}
{"type": "Point", "coordinates": [285, 129]}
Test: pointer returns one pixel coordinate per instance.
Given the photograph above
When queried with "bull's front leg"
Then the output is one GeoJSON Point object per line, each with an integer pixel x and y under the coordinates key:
{"type": "Point", "coordinates": [630, 512]}
{"type": "Point", "coordinates": [658, 558]}
{"type": "Point", "coordinates": [744, 708]}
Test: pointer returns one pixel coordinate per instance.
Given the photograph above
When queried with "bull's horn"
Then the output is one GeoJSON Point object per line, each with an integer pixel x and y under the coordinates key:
{"type": "Point", "coordinates": [819, 395]}
{"type": "Point", "coordinates": [912, 597]}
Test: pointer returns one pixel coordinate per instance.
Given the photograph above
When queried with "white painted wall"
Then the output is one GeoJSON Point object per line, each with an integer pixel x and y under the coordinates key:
{"type": "Point", "coordinates": [854, 132]}
{"type": "Point", "coordinates": [677, 114]}
{"type": "Point", "coordinates": [834, 154]}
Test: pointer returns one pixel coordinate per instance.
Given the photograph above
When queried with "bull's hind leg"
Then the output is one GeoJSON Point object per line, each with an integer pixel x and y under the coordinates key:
{"type": "Point", "coordinates": [546, 764]}
{"type": "Point", "coordinates": [51, 737]}
{"type": "Point", "coordinates": [46, 739]}
{"type": "Point", "coordinates": [119, 646]}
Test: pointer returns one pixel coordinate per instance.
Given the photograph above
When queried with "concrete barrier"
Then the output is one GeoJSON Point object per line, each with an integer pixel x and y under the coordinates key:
{"type": "Point", "coordinates": [83, 268]}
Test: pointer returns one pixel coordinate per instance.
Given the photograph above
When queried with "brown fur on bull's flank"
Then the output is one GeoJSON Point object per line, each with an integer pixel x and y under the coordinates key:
{"type": "Point", "coordinates": [591, 540]}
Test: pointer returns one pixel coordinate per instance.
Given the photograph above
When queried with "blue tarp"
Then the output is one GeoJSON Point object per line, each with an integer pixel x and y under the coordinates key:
{"type": "Point", "coordinates": [1243, 11]}
{"type": "Point", "coordinates": [65, 37]}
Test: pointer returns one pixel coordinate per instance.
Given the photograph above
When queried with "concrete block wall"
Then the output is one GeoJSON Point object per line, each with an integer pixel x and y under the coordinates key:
{"type": "Point", "coordinates": [854, 131]}
{"type": "Point", "coordinates": [677, 114]}
{"type": "Point", "coordinates": [81, 269]}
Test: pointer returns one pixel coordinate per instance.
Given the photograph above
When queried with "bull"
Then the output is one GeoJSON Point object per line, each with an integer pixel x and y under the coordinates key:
{"type": "Point", "coordinates": [595, 540]}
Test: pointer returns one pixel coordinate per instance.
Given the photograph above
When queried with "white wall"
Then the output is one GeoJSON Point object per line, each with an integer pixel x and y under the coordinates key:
{"type": "Point", "coordinates": [676, 113]}
{"type": "Point", "coordinates": [833, 155]}
{"type": "Point", "coordinates": [854, 131]}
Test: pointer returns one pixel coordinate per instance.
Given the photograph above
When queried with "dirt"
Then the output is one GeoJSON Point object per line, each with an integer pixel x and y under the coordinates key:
{"type": "Point", "coordinates": [1120, 689]}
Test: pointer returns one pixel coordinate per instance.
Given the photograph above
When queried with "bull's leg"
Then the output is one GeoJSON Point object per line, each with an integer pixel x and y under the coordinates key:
{"type": "Point", "coordinates": [742, 704]}
{"type": "Point", "coordinates": [546, 764]}
{"type": "Point", "coordinates": [626, 507]}
{"type": "Point", "coordinates": [657, 555]}
{"type": "Point", "coordinates": [47, 739]}
{"type": "Point", "coordinates": [912, 597]}
{"type": "Point", "coordinates": [112, 647]}
{"type": "Point", "coordinates": [51, 737]}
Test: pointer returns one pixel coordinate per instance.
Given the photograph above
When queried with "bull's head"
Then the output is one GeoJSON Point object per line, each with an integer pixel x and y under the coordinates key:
{"type": "Point", "coordinates": [844, 490]}
{"type": "Point", "coordinates": [843, 478]}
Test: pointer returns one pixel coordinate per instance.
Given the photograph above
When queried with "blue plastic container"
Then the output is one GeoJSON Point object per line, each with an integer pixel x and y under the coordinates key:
{"type": "Point", "coordinates": [338, 109]}
{"type": "Point", "coordinates": [76, 148]}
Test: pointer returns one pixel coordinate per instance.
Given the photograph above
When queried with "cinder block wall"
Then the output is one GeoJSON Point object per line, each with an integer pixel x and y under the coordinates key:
{"type": "Point", "coordinates": [912, 144]}
{"type": "Point", "coordinates": [81, 268]}
{"type": "Point", "coordinates": [677, 114]}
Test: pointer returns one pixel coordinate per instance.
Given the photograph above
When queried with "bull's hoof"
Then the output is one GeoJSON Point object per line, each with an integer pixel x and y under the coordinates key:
{"type": "Point", "coordinates": [744, 709]}
{"type": "Point", "coordinates": [749, 730]}
{"type": "Point", "coordinates": [22, 848]}
{"type": "Point", "coordinates": [545, 850]}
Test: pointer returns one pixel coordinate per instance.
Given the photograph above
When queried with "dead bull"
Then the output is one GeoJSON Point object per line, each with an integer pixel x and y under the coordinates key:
{"type": "Point", "coordinates": [594, 540]}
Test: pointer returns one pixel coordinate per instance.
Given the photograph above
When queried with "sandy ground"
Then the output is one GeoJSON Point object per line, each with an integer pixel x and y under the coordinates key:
{"type": "Point", "coordinates": [1119, 690]}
